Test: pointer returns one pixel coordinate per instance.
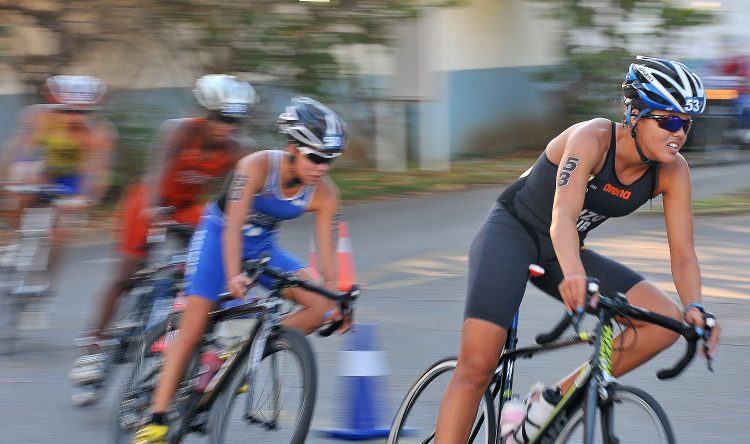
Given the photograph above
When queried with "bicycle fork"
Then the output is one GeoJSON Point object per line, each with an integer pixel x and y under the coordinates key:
{"type": "Point", "coordinates": [267, 324]}
{"type": "Point", "coordinates": [601, 377]}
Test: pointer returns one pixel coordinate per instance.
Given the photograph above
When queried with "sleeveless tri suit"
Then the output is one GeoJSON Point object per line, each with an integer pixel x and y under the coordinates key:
{"type": "Point", "coordinates": [516, 234]}
{"type": "Point", "coordinates": [205, 268]}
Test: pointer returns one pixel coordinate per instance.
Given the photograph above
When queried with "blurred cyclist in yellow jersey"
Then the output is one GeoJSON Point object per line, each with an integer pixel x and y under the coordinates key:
{"type": "Point", "coordinates": [60, 143]}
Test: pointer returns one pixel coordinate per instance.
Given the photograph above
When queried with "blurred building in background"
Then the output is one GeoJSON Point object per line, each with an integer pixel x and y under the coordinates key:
{"type": "Point", "coordinates": [457, 80]}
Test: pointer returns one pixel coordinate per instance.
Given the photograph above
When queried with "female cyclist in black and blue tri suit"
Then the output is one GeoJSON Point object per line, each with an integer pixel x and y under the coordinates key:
{"type": "Point", "coordinates": [592, 171]}
{"type": "Point", "coordinates": [267, 188]}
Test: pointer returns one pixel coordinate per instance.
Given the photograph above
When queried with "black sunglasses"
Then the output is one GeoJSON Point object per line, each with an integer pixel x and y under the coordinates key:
{"type": "Point", "coordinates": [316, 157]}
{"type": "Point", "coordinates": [670, 123]}
{"type": "Point", "coordinates": [230, 120]}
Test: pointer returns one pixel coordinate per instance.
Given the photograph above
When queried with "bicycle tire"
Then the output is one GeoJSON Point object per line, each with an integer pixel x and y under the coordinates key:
{"type": "Point", "coordinates": [9, 312]}
{"type": "Point", "coordinates": [421, 428]}
{"type": "Point", "coordinates": [134, 398]}
{"type": "Point", "coordinates": [254, 409]}
{"type": "Point", "coordinates": [625, 414]}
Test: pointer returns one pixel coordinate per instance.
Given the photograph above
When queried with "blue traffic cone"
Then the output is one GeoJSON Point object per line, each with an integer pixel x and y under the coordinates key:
{"type": "Point", "coordinates": [364, 369]}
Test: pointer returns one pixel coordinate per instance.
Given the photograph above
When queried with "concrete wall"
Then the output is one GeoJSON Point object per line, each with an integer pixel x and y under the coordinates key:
{"type": "Point", "coordinates": [473, 72]}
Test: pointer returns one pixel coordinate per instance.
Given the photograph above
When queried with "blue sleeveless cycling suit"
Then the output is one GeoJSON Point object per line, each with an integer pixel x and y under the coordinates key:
{"type": "Point", "coordinates": [205, 268]}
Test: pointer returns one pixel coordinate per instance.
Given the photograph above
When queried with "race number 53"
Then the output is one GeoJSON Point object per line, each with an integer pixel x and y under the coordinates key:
{"type": "Point", "coordinates": [570, 164]}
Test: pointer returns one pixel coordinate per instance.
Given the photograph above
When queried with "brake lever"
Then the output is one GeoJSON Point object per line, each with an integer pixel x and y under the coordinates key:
{"type": "Point", "coordinates": [709, 319]}
{"type": "Point", "coordinates": [592, 289]}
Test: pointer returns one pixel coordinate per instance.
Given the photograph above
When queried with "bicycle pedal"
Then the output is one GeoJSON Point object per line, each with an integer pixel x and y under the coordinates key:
{"type": "Point", "coordinates": [31, 291]}
{"type": "Point", "coordinates": [84, 341]}
{"type": "Point", "coordinates": [84, 395]}
{"type": "Point", "coordinates": [244, 388]}
{"type": "Point", "coordinates": [89, 369]}
{"type": "Point", "coordinates": [269, 425]}
{"type": "Point", "coordinates": [199, 423]}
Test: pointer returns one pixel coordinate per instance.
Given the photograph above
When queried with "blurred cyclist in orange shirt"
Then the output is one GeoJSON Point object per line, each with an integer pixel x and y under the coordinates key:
{"type": "Point", "coordinates": [193, 155]}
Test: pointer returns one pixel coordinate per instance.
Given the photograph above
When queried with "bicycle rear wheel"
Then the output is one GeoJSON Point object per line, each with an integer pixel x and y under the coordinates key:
{"type": "Point", "coordinates": [416, 418]}
{"type": "Point", "coordinates": [278, 400]}
{"type": "Point", "coordinates": [630, 415]}
{"type": "Point", "coordinates": [134, 401]}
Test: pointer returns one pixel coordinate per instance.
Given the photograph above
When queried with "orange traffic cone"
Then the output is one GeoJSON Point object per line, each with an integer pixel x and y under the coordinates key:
{"type": "Point", "coordinates": [345, 260]}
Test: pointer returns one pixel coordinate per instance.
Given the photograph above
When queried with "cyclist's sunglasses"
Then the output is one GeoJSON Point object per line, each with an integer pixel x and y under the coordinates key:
{"type": "Point", "coordinates": [670, 123]}
{"type": "Point", "coordinates": [317, 157]}
{"type": "Point", "coordinates": [230, 120]}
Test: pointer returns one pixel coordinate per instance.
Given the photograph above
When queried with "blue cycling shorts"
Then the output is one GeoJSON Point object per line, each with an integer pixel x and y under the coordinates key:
{"type": "Point", "coordinates": [72, 184]}
{"type": "Point", "coordinates": [205, 265]}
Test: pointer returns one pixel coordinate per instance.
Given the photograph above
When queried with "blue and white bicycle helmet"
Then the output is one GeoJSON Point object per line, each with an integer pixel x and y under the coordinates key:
{"type": "Point", "coordinates": [308, 122]}
{"type": "Point", "coordinates": [225, 95]}
{"type": "Point", "coordinates": [665, 85]}
{"type": "Point", "coordinates": [76, 92]}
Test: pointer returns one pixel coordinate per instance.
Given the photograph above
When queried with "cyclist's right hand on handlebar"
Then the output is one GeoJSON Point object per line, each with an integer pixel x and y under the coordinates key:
{"type": "Point", "coordinates": [239, 284]}
{"type": "Point", "coordinates": [573, 292]}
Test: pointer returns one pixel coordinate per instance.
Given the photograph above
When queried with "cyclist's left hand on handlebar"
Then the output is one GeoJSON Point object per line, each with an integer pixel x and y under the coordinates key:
{"type": "Point", "coordinates": [573, 292]}
{"type": "Point", "coordinates": [333, 316]}
{"type": "Point", "coordinates": [697, 318]}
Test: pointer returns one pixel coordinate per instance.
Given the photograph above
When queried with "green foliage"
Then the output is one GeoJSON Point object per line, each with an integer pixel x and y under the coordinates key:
{"type": "Point", "coordinates": [297, 44]}
{"type": "Point", "coordinates": [293, 43]}
{"type": "Point", "coordinates": [597, 50]}
{"type": "Point", "coordinates": [135, 126]}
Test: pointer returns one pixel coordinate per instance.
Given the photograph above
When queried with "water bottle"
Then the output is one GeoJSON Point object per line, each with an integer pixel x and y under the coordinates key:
{"type": "Point", "coordinates": [512, 415]}
{"type": "Point", "coordinates": [210, 363]}
{"type": "Point", "coordinates": [538, 412]}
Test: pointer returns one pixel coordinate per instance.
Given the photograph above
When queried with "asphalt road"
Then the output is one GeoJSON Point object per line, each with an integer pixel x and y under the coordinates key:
{"type": "Point", "coordinates": [411, 257]}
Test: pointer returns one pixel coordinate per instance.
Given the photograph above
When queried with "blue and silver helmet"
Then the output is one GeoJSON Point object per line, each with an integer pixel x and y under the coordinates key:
{"type": "Point", "coordinates": [310, 123]}
{"type": "Point", "coordinates": [225, 95]}
{"type": "Point", "coordinates": [665, 85]}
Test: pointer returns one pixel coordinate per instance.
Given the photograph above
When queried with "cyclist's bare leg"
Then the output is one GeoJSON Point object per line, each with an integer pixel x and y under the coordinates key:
{"type": "Point", "coordinates": [66, 220]}
{"type": "Point", "coordinates": [481, 344]}
{"type": "Point", "coordinates": [316, 308]}
{"type": "Point", "coordinates": [120, 285]}
{"type": "Point", "coordinates": [642, 341]}
{"type": "Point", "coordinates": [192, 326]}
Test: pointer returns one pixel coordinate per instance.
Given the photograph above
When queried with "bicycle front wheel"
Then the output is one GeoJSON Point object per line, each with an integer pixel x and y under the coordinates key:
{"type": "Point", "coordinates": [277, 401]}
{"type": "Point", "coordinates": [629, 415]}
{"type": "Point", "coordinates": [416, 418]}
{"type": "Point", "coordinates": [10, 304]}
{"type": "Point", "coordinates": [9, 308]}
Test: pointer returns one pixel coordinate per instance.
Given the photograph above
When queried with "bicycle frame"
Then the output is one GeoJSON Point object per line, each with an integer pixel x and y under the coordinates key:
{"type": "Point", "coordinates": [252, 348]}
{"type": "Point", "coordinates": [595, 377]}
{"type": "Point", "coordinates": [502, 383]}
{"type": "Point", "coordinates": [591, 382]}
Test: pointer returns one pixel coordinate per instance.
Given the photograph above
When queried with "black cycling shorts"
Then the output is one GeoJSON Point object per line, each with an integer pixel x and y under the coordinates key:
{"type": "Point", "coordinates": [499, 260]}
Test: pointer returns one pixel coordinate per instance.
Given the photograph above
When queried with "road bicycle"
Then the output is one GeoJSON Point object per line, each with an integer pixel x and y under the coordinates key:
{"type": "Point", "coordinates": [152, 294]}
{"type": "Point", "coordinates": [626, 414]}
{"type": "Point", "coordinates": [265, 377]}
{"type": "Point", "coordinates": [25, 260]}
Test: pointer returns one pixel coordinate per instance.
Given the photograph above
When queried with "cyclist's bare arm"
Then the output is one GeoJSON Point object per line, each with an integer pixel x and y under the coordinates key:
{"type": "Point", "coordinates": [582, 151]}
{"type": "Point", "coordinates": [325, 204]}
{"type": "Point", "coordinates": [674, 185]}
{"type": "Point", "coordinates": [98, 168]}
{"type": "Point", "coordinates": [22, 136]}
{"type": "Point", "coordinates": [248, 179]}
{"type": "Point", "coordinates": [163, 150]}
